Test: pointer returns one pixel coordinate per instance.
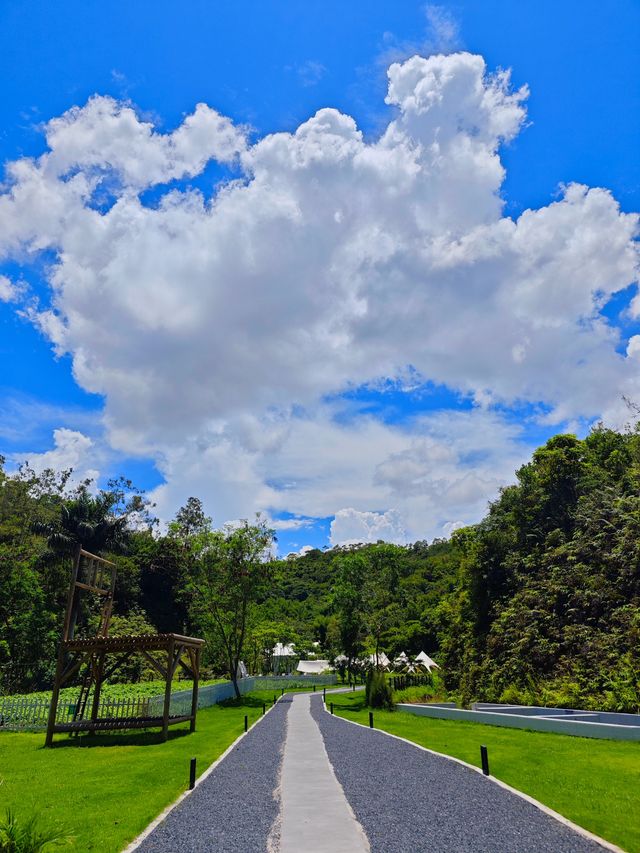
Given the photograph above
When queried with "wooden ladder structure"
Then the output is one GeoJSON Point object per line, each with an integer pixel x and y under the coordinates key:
{"type": "Point", "coordinates": [99, 656]}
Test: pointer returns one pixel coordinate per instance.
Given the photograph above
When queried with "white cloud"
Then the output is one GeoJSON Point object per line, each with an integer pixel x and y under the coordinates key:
{"type": "Point", "coordinates": [214, 326]}
{"type": "Point", "coordinates": [72, 450]}
{"type": "Point", "coordinates": [351, 527]}
{"type": "Point", "coordinates": [9, 292]}
{"type": "Point", "coordinates": [310, 73]}
{"type": "Point", "coordinates": [445, 465]}
{"type": "Point", "coordinates": [444, 31]}
{"type": "Point", "coordinates": [305, 550]}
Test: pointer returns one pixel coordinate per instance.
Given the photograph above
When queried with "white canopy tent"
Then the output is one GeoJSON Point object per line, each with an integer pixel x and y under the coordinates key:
{"type": "Point", "coordinates": [282, 658]}
{"type": "Point", "coordinates": [424, 660]}
{"type": "Point", "coordinates": [382, 661]}
{"type": "Point", "coordinates": [313, 667]}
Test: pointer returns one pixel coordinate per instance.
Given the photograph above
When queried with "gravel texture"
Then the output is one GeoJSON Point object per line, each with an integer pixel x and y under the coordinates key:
{"type": "Point", "coordinates": [409, 801]}
{"type": "Point", "coordinates": [234, 808]}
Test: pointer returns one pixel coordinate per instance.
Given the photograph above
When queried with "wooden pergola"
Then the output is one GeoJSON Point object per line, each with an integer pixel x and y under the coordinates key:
{"type": "Point", "coordinates": [99, 656]}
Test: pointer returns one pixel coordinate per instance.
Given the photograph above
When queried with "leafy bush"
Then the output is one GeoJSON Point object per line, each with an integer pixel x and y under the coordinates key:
{"type": "Point", "coordinates": [378, 691]}
{"type": "Point", "coordinates": [28, 837]}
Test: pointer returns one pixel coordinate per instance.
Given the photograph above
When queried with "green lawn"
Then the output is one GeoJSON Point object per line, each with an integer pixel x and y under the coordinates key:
{"type": "Point", "coordinates": [595, 783]}
{"type": "Point", "coordinates": [106, 788]}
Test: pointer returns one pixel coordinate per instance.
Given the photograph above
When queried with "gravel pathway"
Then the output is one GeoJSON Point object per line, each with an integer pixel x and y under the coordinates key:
{"type": "Point", "coordinates": [235, 807]}
{"type": "Point", "coordinates": [408, 800]}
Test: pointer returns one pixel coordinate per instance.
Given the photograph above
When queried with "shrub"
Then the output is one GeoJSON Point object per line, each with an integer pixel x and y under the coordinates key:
{"type": "Point", "coordinates": [378, 692]}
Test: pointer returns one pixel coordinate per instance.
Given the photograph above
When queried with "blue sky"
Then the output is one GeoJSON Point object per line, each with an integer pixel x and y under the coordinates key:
{"type": "Point", "coordinates": [268, 67]}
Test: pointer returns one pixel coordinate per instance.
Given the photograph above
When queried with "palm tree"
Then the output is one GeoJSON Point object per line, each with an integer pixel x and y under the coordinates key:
{"type": "Point", "coordinates": [88, 520]}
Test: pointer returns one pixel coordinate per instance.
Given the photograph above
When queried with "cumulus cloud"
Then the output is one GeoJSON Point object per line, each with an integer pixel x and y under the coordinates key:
{"type": "Point", "coordinates": [351, 527]}
{"type": "Point", "coordinates": [71, 450]}
{"type": "Point", "coordinates": [214, 324]}
{"type": "Point", "coordinates": [444, 466]}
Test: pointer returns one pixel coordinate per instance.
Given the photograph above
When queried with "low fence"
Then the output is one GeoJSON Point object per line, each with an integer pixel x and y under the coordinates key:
{"type": "Point", "coordinates": [20, 713]}
{"type": "Point", "coordinates": [215, 693]}
{"type": "Point", "coordinates": [566, 721]}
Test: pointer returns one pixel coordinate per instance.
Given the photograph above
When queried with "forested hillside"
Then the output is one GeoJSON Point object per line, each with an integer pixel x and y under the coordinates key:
{"type": "Point", "coordinates": [538, 602]}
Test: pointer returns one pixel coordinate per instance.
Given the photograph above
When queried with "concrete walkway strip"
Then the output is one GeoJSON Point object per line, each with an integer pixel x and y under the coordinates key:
{"type": "Point", "coordinates": [315, 814]}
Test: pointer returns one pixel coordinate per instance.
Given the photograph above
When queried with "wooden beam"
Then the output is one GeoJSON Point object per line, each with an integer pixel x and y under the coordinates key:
{"type": "Point", "coordinates": [71, 670]}
{"type": "Point", "coordinates": [69, 618]}
{"type": "Point", "coordinates": [53, 707]}
{"type": "Point", "coordinates": [167, 691]}
{"type": "Point", "coordinates": [155, 663]}
{"type": "Point", "coordinates": [194, 692]}
{"type": "Point", "coordinates": [98, 673]}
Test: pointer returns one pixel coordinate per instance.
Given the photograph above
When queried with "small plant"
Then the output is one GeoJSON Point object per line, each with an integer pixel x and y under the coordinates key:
{"type": "Point", "coordinates": [378, 690]}
{"type": "Point", "coordinates": [27, 837]}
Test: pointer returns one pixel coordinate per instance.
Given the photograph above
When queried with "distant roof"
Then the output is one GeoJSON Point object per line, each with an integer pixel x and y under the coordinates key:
{"type": "Point", "coordinates": [313, 667]}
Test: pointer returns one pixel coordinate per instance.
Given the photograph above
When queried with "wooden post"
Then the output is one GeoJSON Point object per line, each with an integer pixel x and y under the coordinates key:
{"type": "Point", "coordinates": [99, 671]}
{"type": "Point", "coordinates": [71, 613]}
{"type": "Point", "coordinates": [194, 696]}
{"type": "Point", "coordinates": [167, 691]}
{"type": "Point", "coordinates": [53, 707]}
{"type": "Point", "coordinates": [484, 757]}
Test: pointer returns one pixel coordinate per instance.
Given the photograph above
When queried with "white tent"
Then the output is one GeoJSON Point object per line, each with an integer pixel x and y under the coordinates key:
{"type": "Point", "coordinates": [401, 660]}
{"type": "Point", "coordinates": [313, 667]}
{"type": "Point", "coordinates": [426, 661]}
{"type": "Point", "coordinates": [281, 660]}
{"type": "Point", "coordinates": [383, 660]}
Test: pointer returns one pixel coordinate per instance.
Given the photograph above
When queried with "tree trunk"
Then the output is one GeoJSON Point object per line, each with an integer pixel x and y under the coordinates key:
{"type": "Point", "coordinates": [234, 681]}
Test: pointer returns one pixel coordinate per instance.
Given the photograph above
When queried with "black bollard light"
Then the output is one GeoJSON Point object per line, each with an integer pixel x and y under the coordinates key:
{"type": "Point", "coordinates": [246, 723]}
{"type": "Point", "coordinates": [370, 719]}
{"type": "Point", "coordinates": [485, 760]}
{"type": "Point", "coordinates": [192, 774]}
{"type": "Point", "coordinates": [332, 707]}
{"type": "Point", "coordinates": [282, 692]}
{"type": "Point", "coordinates": [274, 698]}
{"type": "Point", "coordinates": [324, 694]}
{"type": "Point", "coordinates": [264, 708]}
{"type": "Point", "coordinates": [314, 688]}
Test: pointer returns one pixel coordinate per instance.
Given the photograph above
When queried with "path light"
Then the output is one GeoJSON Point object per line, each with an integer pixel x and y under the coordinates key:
{"type": "Point", "coordinates": [192, 774]}
{"type": "Point", "coordinates": [246, 723]}
{"type": "Point", "coordinates": [264, 708]}
{"type": "Point", "coordinates": [332, 707]}
{"type": "Point", "coordinates": [485, 760]}
{"type": "Point", "coordinates": [370, 719]}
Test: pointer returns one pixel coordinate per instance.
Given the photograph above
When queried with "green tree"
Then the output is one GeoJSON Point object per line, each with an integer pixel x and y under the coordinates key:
{"type": "Point", "coordinates": [231, 574]}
